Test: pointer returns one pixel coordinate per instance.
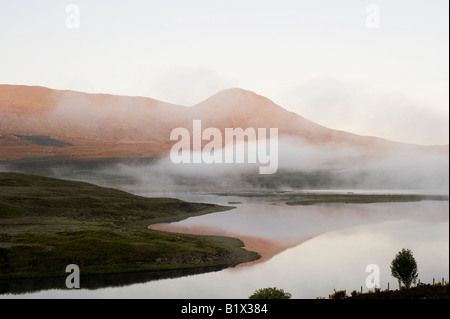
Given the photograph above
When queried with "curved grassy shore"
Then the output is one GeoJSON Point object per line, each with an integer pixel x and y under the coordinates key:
{"type": "Point", "coordinates": [47, 223]}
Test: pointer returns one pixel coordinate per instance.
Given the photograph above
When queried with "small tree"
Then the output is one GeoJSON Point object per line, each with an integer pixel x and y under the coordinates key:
{"type": "Point", "coordinates": [404, 268]}
{"type": "Point", "coordinates": [270, 293]}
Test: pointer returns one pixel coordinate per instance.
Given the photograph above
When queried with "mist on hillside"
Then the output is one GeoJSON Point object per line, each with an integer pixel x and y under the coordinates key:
{"type": "Point", "coordinates": [301, 166]}
{"type": "Point", "coordinates": [307, 155]}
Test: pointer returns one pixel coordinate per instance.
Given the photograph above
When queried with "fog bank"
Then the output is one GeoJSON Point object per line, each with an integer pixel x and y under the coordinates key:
{"type": "Point", "coordinates": [300, 166]}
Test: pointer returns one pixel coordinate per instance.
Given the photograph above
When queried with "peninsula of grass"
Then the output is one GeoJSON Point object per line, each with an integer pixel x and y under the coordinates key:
{"type": "Point", "coordinates": [47, 224]}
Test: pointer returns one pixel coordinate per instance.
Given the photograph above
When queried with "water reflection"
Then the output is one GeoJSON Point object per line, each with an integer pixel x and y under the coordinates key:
{"type": "Point", "coordinates": [287, 226]}
{"type": "Point", "coordinates": [93, 282]}
{"type": "Point", "coordinates": [343, 240]}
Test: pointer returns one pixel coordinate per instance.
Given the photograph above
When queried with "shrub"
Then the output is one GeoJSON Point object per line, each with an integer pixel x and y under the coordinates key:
{"type": "Point", "coordinates": [340, 294]}
{"type": "Point", "coordinates": [270, 293]}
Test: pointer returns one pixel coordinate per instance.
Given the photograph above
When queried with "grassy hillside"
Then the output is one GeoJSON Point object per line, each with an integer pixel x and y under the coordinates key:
{"type": "Point", "coordinates": [46, 224]}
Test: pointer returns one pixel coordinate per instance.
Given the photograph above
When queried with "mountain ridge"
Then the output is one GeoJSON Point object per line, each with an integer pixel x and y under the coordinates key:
{"type": "Point", "coordinates": [104, 125]}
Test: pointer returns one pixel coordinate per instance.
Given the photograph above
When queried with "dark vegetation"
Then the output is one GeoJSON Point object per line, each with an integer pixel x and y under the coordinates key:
{"type": "Point", "coordinates": [421, 291]}
{"type": "Point", "coordinates": [46, 224]}
{"type": "Point", "coordinates": [404, 268]}
{"type": "Point", "coordinates": [305, 199]}
{"type": "Point", "coordinates": [270, 293]}
{"type": "Point", "coordinates": [362, 198]}
{"type": "Point", "coordinates": [44, 140]}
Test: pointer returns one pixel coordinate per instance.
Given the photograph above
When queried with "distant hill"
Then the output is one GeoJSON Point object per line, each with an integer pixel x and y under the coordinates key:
{"type": "Point", "coordinates": [41, 122]}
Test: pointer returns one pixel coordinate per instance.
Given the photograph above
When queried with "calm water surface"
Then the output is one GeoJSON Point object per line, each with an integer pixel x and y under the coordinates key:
{"type": "Point", "coordinates": [328, 247]}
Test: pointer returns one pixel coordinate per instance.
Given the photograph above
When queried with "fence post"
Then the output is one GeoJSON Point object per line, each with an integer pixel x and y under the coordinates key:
{"type": "Point", "coordinates": [388, 287]}
{"type": "Point", "coordinates": [433, 281]}
{"type": "Point", "coordinates": [442, 281]}
{"type": "Point", "coordinates": [361, 290]}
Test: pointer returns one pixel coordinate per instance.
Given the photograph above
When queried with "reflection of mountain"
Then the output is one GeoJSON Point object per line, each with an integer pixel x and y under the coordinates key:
{"type": "Point", "coordinates": [40, 122]}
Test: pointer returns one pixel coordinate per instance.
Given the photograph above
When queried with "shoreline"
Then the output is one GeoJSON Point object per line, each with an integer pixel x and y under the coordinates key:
{"type": "Point", "coordinates": [52, 220]}
{"type": "Point", "coordinates": [266, 248]}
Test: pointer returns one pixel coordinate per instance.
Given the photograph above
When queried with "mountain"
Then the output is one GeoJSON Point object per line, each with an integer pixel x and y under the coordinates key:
{"type": "Point", "coordinates": [41, 122]}
{"type": "Point", "coordinates": [96, 125]}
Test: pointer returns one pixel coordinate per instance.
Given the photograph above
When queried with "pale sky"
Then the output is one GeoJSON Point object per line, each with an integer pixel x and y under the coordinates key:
{"type": "Point", "coordinates": [377, 67]}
